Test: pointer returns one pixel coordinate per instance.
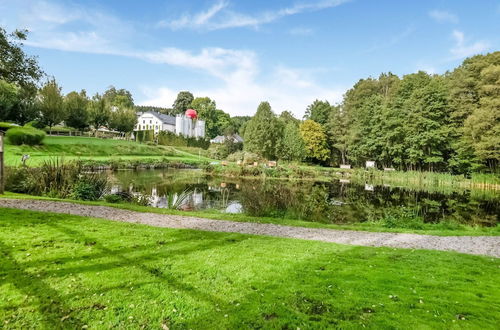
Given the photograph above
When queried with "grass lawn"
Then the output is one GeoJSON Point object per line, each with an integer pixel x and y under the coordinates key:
{"type": "Point", "coordinates": [439, 229]}
{"type": "Point", "coordinates": [88, 148]}
{"type": "Point", "coordinates": [69, 271]}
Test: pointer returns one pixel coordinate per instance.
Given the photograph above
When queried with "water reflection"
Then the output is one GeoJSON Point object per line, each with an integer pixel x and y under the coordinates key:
{"type": "Point", "coordinates": [334, 202]}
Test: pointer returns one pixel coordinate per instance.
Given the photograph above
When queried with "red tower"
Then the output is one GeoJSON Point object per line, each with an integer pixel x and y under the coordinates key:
{"type": "Point", "coordinates": [191, 113]}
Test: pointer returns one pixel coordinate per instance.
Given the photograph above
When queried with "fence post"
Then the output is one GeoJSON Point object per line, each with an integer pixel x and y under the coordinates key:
{"type": "Point", "coordinates": [2, 173]}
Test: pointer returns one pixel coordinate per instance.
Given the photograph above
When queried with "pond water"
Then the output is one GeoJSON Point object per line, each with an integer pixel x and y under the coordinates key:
{"type": "Point", "coordinates": [327, 202]}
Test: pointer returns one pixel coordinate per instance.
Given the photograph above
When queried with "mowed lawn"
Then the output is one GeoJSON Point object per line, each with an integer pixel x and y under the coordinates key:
{"type": "Point", "coordinates": [86, 148]}
{"type": "Point", "coordinates": [62, 271]}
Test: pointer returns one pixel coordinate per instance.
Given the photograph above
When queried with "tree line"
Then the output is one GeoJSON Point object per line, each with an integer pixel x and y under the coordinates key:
{"type": "Point", "coordinates": [448, 122]}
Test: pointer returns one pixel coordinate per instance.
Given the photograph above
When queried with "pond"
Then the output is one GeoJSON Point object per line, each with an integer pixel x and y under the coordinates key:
{"type": "Point", "coordinates": [339, 201]}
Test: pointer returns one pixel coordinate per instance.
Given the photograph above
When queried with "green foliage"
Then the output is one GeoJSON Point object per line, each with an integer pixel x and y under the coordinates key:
{"type": "Point", "coordinates": [319, 111]}
{"type": "Point", "coordinates": [292, 146]}
{"type": "Point", "coordinates": [50, 103]}
{"type": "Point", "coordinates": [123, 119]}
{"type": "Point", "coordinates": [263, 132]}
{"type": "Point", "coordinates": [146, 108]}
{"type": "Point", "coordinates": [315, 141]}
{"type": "Point", "coordinates": [5, 126]}
{"type": "Point", "coordinates": [25, 135]}
{"type": "Point", "coordinates": [9, 97]}
{"type": "Point", "coordinates": [120, 98]}
{"type": "Point", "coordinates": [216, 121]}
{"type": "Point", "coordinates": [16, 66]}
{"type": "Point", "coordinates": [75, 105]}
{"type": "Point", "coordinates": [144, 136]}
{"type": "Point", "coordinates": [98, 111]}
{"type": "Point", "coordinates": [89, 187]}
{"type": "Point", "coordinates": [182, 102]}
{"type": "Point", "coordinates": [55, 178]}
{"type": "Point", "coordinates": [171, 139]}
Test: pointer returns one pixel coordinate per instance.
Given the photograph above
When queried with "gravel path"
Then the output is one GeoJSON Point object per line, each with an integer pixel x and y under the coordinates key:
{"type": "Point", "coordinates": [481, 245]}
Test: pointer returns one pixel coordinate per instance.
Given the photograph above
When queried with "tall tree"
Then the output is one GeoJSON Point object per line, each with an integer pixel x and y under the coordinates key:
{"type": "Point", "coordinates": [9, 97]}
{"type": "Point", "coordinates": [182, 102]}
{"type": "Point", "coordinates": [50, 104]}
{"type": "Point", "coordinates": [75, 105]}
{"type": "Point", "coordinates": [123, 120]}
{"type": "Point", "coordinates": [291, 146]}
{"type": "Point", "coordinates": [99, 112]}
{"type": "Point", "coordinates": [338, 133]}
{"type": "Point", "coordinates": [263, 132]}
{"type": "Point", "coordinates": [315, 140]}
{"type": "Point", "coordinates": [216, 121]}
{"type": "Point", "coordinates": [15, 66]}
{"type": "Point", "coordinates": [319, 111]}
{"type": "Point", "coordinates": [119, 98]}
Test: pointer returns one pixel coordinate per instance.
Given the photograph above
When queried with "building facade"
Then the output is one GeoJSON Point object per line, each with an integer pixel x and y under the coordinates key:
{"type": "Point", "coordinates": [180, 125]}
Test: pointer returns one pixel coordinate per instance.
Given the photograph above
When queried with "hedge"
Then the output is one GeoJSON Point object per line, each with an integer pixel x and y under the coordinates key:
{"type": "Point", "coordinates": [5, 126]}
{"type": "Point", "coordinates": [25, 135]}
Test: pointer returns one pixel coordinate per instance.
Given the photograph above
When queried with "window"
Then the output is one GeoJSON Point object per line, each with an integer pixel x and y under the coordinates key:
{"type": "Point", "coordinates": [150, 121]}
{"type": "Point", "coordinates": [143, 121]}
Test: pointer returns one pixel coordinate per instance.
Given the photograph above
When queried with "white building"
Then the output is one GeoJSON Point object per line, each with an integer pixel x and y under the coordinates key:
{"type": "Point", "coordinates": [180, 125]}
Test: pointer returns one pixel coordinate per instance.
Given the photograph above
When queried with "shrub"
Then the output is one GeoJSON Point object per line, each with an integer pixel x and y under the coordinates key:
{"type": "Point", "coordinates": [5, 126]}
{"type": "Point", "coordinates": [25, 135]}
{"type": "Point", "coordinates": [36, 124]}
{"type": "Point", "coordinates": [90, 187]}
{"type": "Point", "coordinates": [113, 198]}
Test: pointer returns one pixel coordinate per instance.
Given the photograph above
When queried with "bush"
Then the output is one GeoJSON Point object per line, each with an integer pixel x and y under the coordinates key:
{"type": "Point", "coordinates": [36, 124]}
{"type": "Point", "coordinates": [90, 187]}
{"type": "Point", "coordinates": [113, 198]}
{"type": "Point", "coordinates": [5, 126]}
{"type": "Point", "coordinates": [25, 135]}
{"type": "Point", "coordinates": [172, 139]}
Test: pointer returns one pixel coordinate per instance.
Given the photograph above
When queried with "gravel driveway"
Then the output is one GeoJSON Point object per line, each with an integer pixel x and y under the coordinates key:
{"type": "Point", "coordinates": [481, 245]}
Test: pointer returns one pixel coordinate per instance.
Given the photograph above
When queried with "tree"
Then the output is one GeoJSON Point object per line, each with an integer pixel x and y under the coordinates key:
{"type": "Point", "coordinates": [263, 132]}
{"type": "Point", "coordinates": [237, 124]}
{"type": "Point", "coordinates": [216, 121]}
{"type": "Point", "coordinates": [319, 111]}
{"type": "Point", "coordinates": [9, 97]}
{"type": "Point", "coordinates": [338, 133]}
{"type": "Point", "coordinates": [75, 105]}
{"type": "Point", "coordinates": [482, 127]}
{"type": "Point", "coordinates": [315, 141]}
{"type": "Point", "coordinates": [123, 120]}
{"type": "Point", "coordinates": [120, 98]}
{"type": "Point", "coordinates": [291, 146]}
{"type": "Point", "coordinates": [99, 112]}
{"type": "Point", "coordinates": [15, 66]}
{"type": "Point", "coordinates": [50, 104]}
{"type": "Point", "coordinates": [182, 102]}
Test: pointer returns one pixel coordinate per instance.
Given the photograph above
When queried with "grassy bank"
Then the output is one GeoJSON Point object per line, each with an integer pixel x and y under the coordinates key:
{"type": "Point", "coordinates": [99, 151]}
{"type": "Point", "coordinates": [410, 179]}
{"type": "Point", "coordinates": [62, 271]}
{"type": "Point", "coordinates": [439, 229]}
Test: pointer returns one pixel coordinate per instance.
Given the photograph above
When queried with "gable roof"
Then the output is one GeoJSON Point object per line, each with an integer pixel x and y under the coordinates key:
{"type": "Point", "coordinates": [165, 119]}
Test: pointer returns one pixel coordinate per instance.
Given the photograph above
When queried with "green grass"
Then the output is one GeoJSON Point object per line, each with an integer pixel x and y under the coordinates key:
{"type": "Point", "coordinates": [439, 229]}
{"type": "Point", "coordinates": [62, 271]}
{"type": "Point", "coordinates": [88, 148]}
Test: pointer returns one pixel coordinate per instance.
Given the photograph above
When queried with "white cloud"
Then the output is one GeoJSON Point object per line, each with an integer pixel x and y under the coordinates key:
{"type": "Point", "coordinates": [236, 81]}
{"type": "Point", "coordinates": [442, 16]}
{"type": "Point", "coordinates": [285, 88]}
{"type": "Point", "coordinates": [219, 16]}
{"type": "Point", "coordinates": [461, 49]}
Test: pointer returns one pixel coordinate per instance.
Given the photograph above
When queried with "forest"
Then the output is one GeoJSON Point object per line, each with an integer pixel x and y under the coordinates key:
{"type": "Point", "coordinates": [447, 123]}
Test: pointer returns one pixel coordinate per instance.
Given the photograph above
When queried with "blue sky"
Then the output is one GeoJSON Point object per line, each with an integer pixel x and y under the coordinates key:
{"type": "Point", "coordinates": [243, 52]}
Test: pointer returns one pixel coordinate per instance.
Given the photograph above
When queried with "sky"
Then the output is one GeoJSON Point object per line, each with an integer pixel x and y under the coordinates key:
{"type": "Point", "coordinates": [240, 53]}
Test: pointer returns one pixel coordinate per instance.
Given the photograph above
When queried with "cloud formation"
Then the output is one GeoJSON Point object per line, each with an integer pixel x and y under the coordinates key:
{"type": "Point", "coordinates": [220, 16]}
{"type": "Point", "coordinates": [461, 49]}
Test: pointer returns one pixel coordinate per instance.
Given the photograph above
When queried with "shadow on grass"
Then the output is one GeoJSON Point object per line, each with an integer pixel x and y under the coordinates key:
{"type": "Point", "coordinates": [51, 306]}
